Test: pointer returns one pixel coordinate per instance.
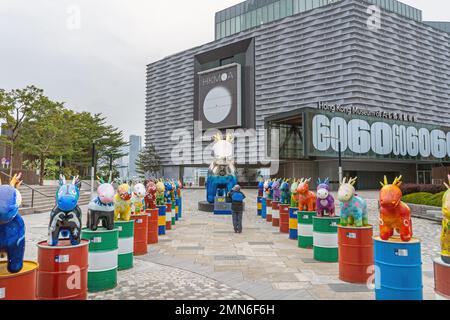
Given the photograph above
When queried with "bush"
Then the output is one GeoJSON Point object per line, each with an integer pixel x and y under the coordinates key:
{"type": "Point", "coordinates": [425, 198]}
{"type": "Point", "coordinates": [409, 188]}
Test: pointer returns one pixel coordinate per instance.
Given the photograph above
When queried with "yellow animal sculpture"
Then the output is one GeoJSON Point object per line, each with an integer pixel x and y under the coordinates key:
{"type": "Point", "coordinates": [122, 203]}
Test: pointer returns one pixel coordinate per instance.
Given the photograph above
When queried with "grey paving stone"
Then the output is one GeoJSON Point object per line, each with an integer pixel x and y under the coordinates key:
{"type": "Point", "coordinates": [191, 248]}
{"type": "Point", "coordinates": [229, 258]}
{"type": "Point", "coordinates": [261, 243]}
{"type": "Point", "coordinates": [349, 287]}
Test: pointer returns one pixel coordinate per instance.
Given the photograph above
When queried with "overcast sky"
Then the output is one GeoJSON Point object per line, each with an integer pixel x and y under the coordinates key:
{"type": "Point", "coordinates": [92, 54]}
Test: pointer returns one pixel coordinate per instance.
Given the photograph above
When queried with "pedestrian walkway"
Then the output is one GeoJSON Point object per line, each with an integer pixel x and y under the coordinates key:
{"type": "Point", "coordinates": [202, 258]}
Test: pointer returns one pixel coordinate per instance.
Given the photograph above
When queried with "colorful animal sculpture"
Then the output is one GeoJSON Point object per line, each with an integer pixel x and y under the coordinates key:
{"type": "Point", "coordinates": [179, 188]}
{"type": "Point", "coordinates": [101, 208]}
{"type": "Point", "coordinates": [270, 196]}
{"type": "Point", "coordinates": [395, 215]}
{"type": "Point", "coordinates": [122, 203]}
{"type": "Point", "coordinates": [168, 192]}
{"type": "Point", "coordinates": [325, 201]}
{"type": "Point", "coordinates": [150, 195]}
{"type": "Point", "coordinates": [137, 199]}
{"type": "Point", "coordinates": [266, 189]}
{"type": "Point", "coordinates": [173, 191]}
{"type": "Point", "coordinates": [160, 189]}
{"type": "Point", "coordinates": [285, 189]}
{"type": "Point", "coordinates": [12, 227]}
{"type": "Point", "coordinates": [222, 171]}
{"type": "Point", "coordinates": [353, 208]}
{"type": "Point", "coordinates": [261, 189]}
{"type": "Point", "coordinates": [294, 194]}
{"type": "Point", "coordinates": [445, 236]}
{"type": "Point", "coordinates": [65, 218]}
{"type": "Point", "coordinates": [276, 190]}
{"type": "Point", "coordinates": [306, 198]}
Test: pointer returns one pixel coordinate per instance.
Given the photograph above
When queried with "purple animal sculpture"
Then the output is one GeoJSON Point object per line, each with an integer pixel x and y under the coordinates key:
{"type": "Point", "coordinates": [325, 201]}
{"type": "Point", "coordinates": [276, 190]}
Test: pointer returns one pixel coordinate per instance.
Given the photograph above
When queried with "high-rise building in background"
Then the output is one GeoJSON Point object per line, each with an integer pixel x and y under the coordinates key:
{"type": "Point", "coordinates": [135, 148]}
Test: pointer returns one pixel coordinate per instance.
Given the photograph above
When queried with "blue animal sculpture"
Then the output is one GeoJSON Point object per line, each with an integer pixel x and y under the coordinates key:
{"type": "Point", "coordinates": [12, 227]}
{"type": "Point", "coordinates": [285, 192]}
{"type": "Point", "coordinates": [270, 187]}
{"type": "Point", "coordinates": [65, 218]}
{"type": "Point", "coordinates": [325, 201]}
{"type": "Point", "coordinates": [261, 189]}
{"type": "Point", "coordinates": [353, 208]}
{"type": "Point", "coordinates": [168, 191]}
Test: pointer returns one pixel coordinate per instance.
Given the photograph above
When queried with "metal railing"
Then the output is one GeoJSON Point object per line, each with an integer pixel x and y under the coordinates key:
{"type": "Point", "coordinates": [33, 190]}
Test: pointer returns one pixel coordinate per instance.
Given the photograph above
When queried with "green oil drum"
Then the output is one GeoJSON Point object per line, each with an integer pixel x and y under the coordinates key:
{"type": "Point", "coordinates": [305, 229]}
{"type": "Point", "coordinates": [103, 258]}
{"type": "Point", "coordinates": [126, 244]}
{"type": "Point", "coordinates": [325, 237]}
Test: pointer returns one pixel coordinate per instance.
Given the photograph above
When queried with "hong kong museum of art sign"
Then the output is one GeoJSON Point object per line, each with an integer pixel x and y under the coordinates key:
{"type": "Point", "coordinates": [369, 137]}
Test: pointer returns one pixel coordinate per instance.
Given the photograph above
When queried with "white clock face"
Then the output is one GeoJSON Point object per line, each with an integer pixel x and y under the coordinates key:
{"type": "Point", "coordinates": [217, 105]}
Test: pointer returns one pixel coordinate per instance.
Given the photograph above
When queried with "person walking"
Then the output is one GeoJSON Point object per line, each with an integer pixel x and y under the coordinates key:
{"type": "Point", "coordinates": [237, 206]}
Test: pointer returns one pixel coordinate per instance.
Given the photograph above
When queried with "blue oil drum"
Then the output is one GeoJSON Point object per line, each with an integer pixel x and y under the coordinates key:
{"type": "Point", "coordinates": [398, 269]}
{"type": "Point", "coordinates": [264, 208]}
{"type": "Point", "coordinates": [293, 224]}
{"type": "Point", "coordinates": [162, 220]}
{"type": "Point", "coordinates": [259, 207]}
{"type": "Point", "coordinates": [179, 202]}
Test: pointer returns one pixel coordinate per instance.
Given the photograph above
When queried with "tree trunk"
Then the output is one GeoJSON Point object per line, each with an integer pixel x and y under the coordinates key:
{"type": "Point", "coordinates": [11, 163]}
{"type": "Point", "coordinates": [41, 171]}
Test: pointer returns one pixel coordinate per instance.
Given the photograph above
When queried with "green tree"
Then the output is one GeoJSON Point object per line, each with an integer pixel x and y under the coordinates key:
{"type": "Point", "coordinates": [16, 107]}
{"type": "Point", "coordinates": [46, 135]}
{"type": "Point", "coordinates": [148, 161]}
{"type": "Point", "coordinates": [87, 128]}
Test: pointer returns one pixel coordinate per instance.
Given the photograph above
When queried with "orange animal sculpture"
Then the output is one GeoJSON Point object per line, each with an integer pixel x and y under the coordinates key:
{"type": "Point", "coordinates": [307, 200]}
{"type": "Point", "coordinates": [395, 215]}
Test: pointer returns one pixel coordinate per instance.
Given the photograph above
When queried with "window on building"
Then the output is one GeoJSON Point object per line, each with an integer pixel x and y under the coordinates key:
{"type": "Point", "coordinates": [316, 4]}
{"type": "Point", "coordinates": [283, 6]}
{"type": "Point", "coordinates": [218, 31]}
{"type": "Point", "coordinates": [270, 12]}
{"type": "Point", "coordinates": [228, 27]}
{"type": "Point", "coordinates": [248, 20]}
{"type": "Point", "coordinates": [296, 6]}
{"type": "Point", "coordinates": [254, 18]}
{"type": "Point", "coordinates": [277, 10]}
{"type": "Point", "coordinates": [265, 14]}
{"type": "Point", "coordinates": [308, 4]}
{"type": "Point", "coordinates": [259, 19]}
{"type": "Point", "coordinates": [302, 5]}
{"type": "Point", "coordinates": [238, 24]}
{"type": "Point", "coordinates": [222, 29]}
{"type": "Point", "coordinates": [289, 8]}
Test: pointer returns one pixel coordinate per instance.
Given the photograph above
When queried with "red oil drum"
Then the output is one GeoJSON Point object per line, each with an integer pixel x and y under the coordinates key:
{"type": "Point", "coordinates": [441, 279]}
{"type": "Point", "coordinates": [269, 210]}
{"type": "Point", "coordinates": [18, 286]}
{"type": "Point", "coordinates": [140, 234]}
{"type": "Point", "coordinates": [62, 273]}
{"type": "Point", "coordinates": [275, 214]}
{"type": "Point", "coordinates": [168, 216]}
{"type": "Point", "coordinates": [355, 254]}
{"type": "Point", "coordinates": [269, 203]}
{"type": "Point", "coordinates": [284, 218]}
{"type": "Point", "coordinates": [152, 214]}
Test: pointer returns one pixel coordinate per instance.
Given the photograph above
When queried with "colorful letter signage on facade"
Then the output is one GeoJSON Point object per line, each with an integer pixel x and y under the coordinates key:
{"type": "Point", "coordinates": [367, 137]}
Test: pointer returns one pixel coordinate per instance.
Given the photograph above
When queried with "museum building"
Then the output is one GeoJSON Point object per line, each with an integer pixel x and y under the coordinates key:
{"type": "Point", "coordinates": [367, 79]}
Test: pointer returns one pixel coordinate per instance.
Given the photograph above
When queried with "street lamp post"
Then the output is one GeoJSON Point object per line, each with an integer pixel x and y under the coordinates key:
{"type": "Point", "coordinates": [93, 168]}
{"type": "Point", "coordinates": [341, 171]}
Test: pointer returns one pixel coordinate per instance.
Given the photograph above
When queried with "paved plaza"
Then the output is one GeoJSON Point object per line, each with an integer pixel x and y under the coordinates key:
{"type": "Point", "coordinates": [202, 258]}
